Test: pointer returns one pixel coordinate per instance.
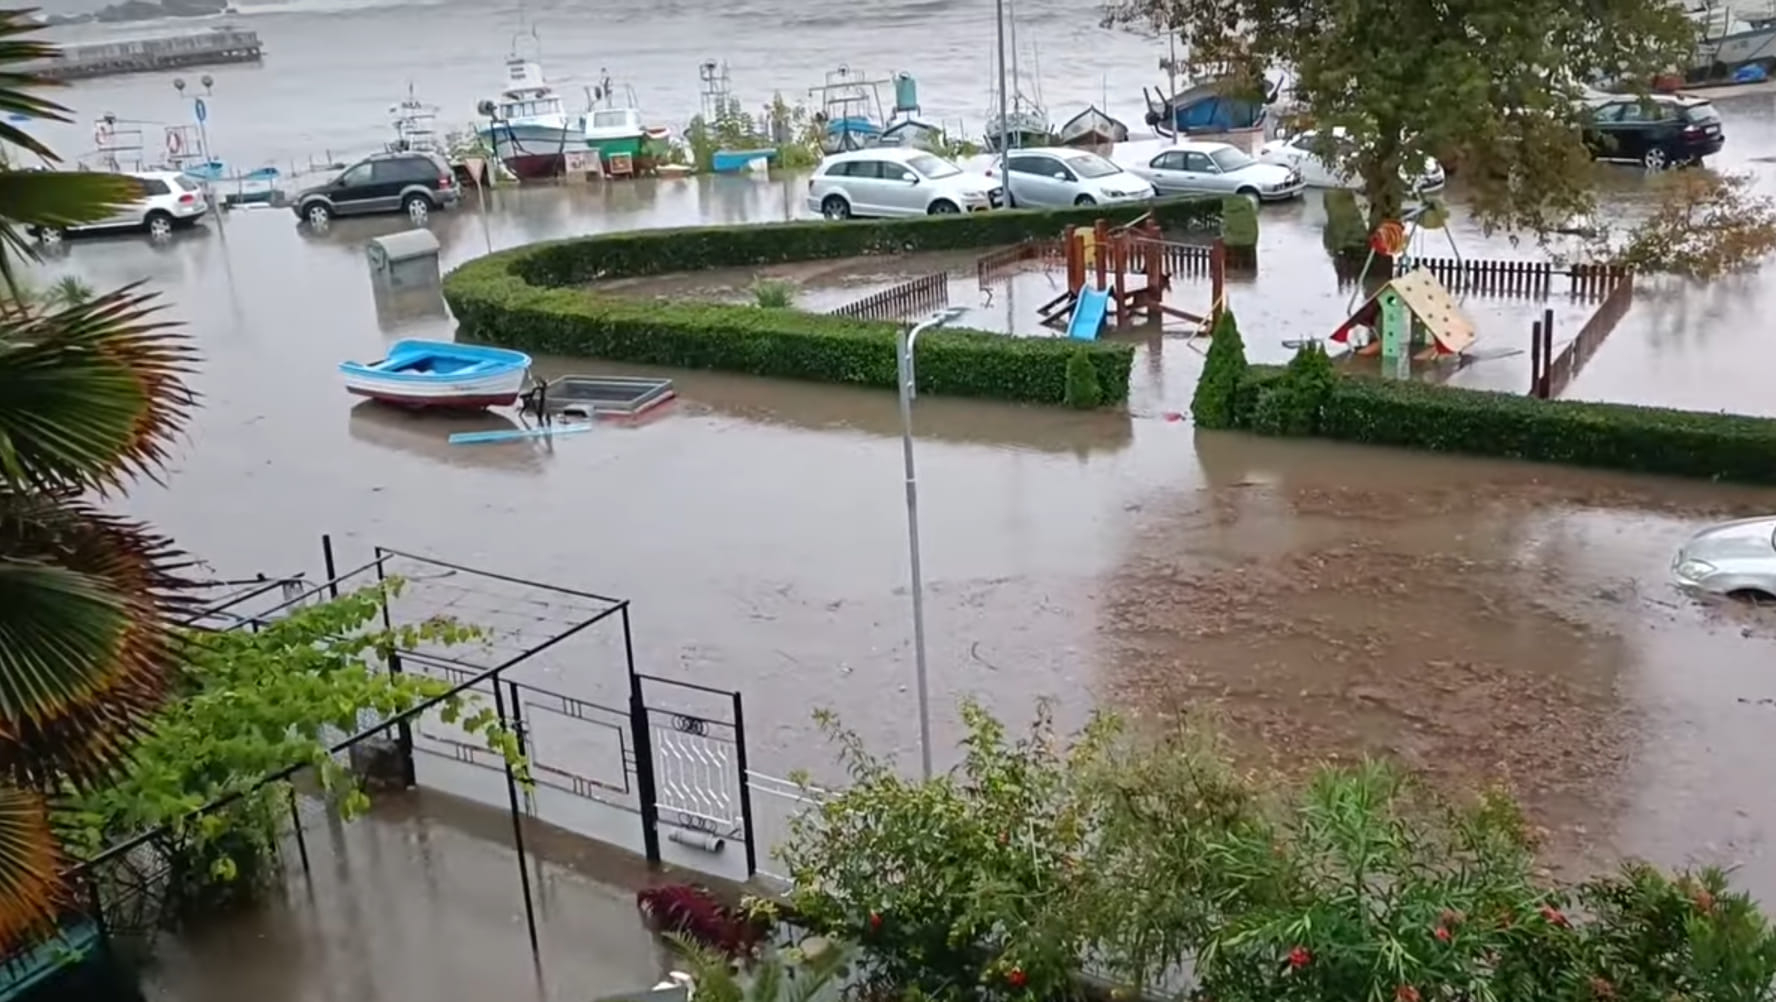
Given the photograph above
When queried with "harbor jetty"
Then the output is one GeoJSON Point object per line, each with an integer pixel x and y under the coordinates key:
{"type": "Point", "coordinates": [201, 48]}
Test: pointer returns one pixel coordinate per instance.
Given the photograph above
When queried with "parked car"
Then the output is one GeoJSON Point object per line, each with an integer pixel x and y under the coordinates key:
{"type": "Point", "coordinates": [1658, 131]}
{"type": "Point", "coordinates": [412, 182]}
{"type": "Point", "coordinates": [1061, 176]}
{"type": "Point", "coordinates": [885, 181]}
{"type": "Point", "coordinates": [1219, 169]}
{"type": "Point", "coordinates": [1735, 558]}
{"type": "Point", "coordinates": [169, 201]}
{"type": "Point", "coordinates": [1300, 151]}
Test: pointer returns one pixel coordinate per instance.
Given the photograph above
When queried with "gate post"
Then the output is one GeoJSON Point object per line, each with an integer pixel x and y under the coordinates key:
{"type": "Point", "coordinates": [745, 787]}
{"type": "Point", "coordinates": [642, 739]}
{"type": "Point", "coordinates": [403, 730]}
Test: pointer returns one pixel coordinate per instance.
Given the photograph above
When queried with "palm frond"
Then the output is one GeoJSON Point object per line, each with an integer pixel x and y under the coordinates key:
{"type": "Point", "coordinates": [90, 394]}
{"type": "Point", "coordinates": [30, 883]}
{"type": "Point", "coordinates": [87, 645]}
{"type": "Point", "coordinates": [63, 198]}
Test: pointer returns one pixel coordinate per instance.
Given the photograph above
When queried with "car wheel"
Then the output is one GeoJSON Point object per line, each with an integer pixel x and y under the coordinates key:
{"type": "Point", "coordinates": [1655, 159]}
{"type": "Point", "coordinates": [1250, 195]}
{"type": "Point", "coordinates": [835, 207]}
{"type": "Point", "coordinates": [1756, 596]}
{"type": "Point", "coordinates": [417, 207]}
{"type": "Point", "coordinates": [943, 207]}
{"type": "Point", "coordinates": [51, 236]}
{"type": "Point", "coordinates": [318, 214]}
{"type": "Point", "coordinates": [159, 225]}
{"type": "Point", "coordinates": [1085, 200]}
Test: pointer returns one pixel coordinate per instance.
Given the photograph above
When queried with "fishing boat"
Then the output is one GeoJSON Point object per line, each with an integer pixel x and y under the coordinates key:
{"type": "Point", "coordinates": [1022, 129]}
{"type": "Point", "coordinates": [613, 121]}
{"type": "Point", "coordinates": [528, 127]}
{"type": "Point", "coordinates": [905, 126]}
{"type": "Point", "coordinates": [418, 373]}
{"type": "Point", "coordinates": [850, 115]}
{"type": "Point", "coordinates": [415, 125]}
{"type": "Point", "coordinates": [1024, 122]}
{"type": "Point", "coordinates": [1092, 127]}
{"type": "Point", "coordinates": [1213, 106]}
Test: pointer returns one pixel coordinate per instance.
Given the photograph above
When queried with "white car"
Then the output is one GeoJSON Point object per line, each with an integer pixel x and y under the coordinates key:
{"type": "Point", "coordinates": [885, 181]}
{"type": "Point", "coordinates": [1735, 558]}
{"type": "Point", "coordinates": [170, 200]}
{"type": "Point", "coordinates": [1195, 168]}
{"type": "Point", "coordinates": [1300, 152]}
{"type": "Point", "coordinates": [1061, 176]}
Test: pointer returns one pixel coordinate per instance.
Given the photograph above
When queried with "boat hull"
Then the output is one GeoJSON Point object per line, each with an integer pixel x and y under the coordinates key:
{"type": "Point", "coordinates": [533, 151]}
{"type": "Point", "coordinates": [426, 374]}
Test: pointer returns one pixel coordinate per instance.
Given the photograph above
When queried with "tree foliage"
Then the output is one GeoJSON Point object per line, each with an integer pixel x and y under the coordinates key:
{"type": "Point", "coordinates": [1155, 862]}
{"type": "Point", "coordinates": [1493, 86]}
{"type": "Point", "coordinates": [249, 704]}
{"type": "Point", "coordinates": [1213, 405]}
{"type": "Point", "coordinates": [1702, 225]}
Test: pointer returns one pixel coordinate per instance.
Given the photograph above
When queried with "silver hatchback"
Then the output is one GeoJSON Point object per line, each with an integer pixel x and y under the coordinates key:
{"type": "Point", "coordinates": [1061, 176]}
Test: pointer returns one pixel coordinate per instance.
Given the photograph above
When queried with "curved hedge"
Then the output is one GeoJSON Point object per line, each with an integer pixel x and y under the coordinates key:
{"type": "Point", "coordinates": [532, 297]}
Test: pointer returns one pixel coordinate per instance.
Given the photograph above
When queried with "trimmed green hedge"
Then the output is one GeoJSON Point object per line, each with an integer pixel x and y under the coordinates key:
{"type": "Point", "coordinates": [1613, 436]}
{"type": "Point", "coordinates": [532, 298]}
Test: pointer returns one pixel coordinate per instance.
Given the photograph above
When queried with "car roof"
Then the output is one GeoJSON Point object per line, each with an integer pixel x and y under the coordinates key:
{"type": "Point", "coordinates": [879, 153]}
{"type": "Point", "coordinates": [1681, 100]}
{"type": "Point", "coordinates": [1052, 151]}
{"type": "Point", "coordinates": [156, 175]}
{"type": "Point", "coordinates": [1202, 146]}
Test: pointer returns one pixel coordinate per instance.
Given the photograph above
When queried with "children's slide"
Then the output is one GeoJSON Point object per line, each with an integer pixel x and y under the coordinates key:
{"type": "Point", "coordinates": [1088, 314]}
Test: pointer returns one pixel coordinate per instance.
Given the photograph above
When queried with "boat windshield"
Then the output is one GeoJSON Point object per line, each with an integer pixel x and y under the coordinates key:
{"type": "Point", "coordinates": [1092, 165]}
{"type": "Point", "coordinates": [610, 119]}
{"type": "Point", "coordinates": [1230, 159]}
{"type": "Point", "coordinates": [933, 167]}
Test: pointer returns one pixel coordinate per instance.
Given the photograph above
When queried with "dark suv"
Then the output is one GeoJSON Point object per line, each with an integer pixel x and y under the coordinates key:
{"type": "Point", "coordinates": [1659, 131]}
{"type": "Point", "coordinates": [410, 182]}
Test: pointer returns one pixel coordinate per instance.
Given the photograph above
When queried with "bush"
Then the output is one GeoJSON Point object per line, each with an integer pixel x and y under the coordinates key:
{"type": "Point", "coordinates": [1346, 234]}
{"type": "Point", "coordinates": [1612, 436]}
{"type": "Point", "coordinates": [1223, 371]}
{"type": "Point", "coordinates": [1083, 389]}
{"type": "Point", "coordinates": [773, 293]}
{"type": "Point", "coordinates": [1239, 223]}
{"type": "Point", "coordinates": [524, 298]}
{"type": "Point", "coordinates": [1293, 404]}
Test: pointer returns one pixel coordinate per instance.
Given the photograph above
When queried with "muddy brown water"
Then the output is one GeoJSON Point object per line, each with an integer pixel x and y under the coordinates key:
{"type": "Point", "coordinates": [1483, 621]}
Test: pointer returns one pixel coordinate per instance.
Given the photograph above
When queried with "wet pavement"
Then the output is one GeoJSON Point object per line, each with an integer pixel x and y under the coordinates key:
{"type": "Point", "coordinates": [1483, 620]}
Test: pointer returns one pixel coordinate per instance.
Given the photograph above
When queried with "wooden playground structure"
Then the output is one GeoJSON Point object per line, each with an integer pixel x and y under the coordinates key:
{"type": "Point", "coordinates": [1135, 264]}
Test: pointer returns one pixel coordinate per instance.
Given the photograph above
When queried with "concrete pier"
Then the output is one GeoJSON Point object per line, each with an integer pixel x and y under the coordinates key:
{"type": "Point", "coordinates": [204, 48]}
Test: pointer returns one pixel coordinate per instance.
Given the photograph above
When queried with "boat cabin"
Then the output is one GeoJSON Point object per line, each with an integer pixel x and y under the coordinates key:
{"type": "Point", "coordinates": [614, 122]}
{"type": "Point", "coordinates": [526, 95]}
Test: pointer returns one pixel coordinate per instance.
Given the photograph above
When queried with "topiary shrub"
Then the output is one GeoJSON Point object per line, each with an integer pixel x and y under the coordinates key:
{"type": "Point", "coordinates": [1239, 231]}
{"type": "Point", "coordinates": [1346, 234]}
{"type": "Point", "coordinates": [1083, 389]}
{"type": "Point", "coordinates": [773, 293]}
{"type": "Point", "coordinates": [1213, 406]}
{"type": "Point", "coordinates": [1293, 404]}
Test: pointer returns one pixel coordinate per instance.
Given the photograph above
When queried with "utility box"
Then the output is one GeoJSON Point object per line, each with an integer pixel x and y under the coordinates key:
{"type": "Point", "coordinates": [404, 260]}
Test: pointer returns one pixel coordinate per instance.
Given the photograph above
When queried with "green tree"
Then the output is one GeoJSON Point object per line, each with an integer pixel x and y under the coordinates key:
{"type": "Point", "coordinates": [1494, 86]}
{"type": "Point", "coordinates": [1215, 403]}
{"type": "Point", "coordinates": [91, 396]}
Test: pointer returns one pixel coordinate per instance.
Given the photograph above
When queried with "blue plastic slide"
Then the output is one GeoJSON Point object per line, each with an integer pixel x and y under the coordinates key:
{"type": "Point", "coordinates": [1088, 314]}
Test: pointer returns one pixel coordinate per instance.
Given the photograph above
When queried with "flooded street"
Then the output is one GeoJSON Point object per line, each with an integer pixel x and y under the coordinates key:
{"type": "Point", "coordinates": [1480, 620]}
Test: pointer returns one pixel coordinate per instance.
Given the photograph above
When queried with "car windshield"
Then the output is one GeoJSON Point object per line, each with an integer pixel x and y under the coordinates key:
{"type": "Point", "coordinates": [933, 167]}
{"type": "Point", "coordinates": [1230, 159]}
{"type": "Point", "coordinates": [1701, 113]}
{"type": "Point", "coordinates": [1091, 165]}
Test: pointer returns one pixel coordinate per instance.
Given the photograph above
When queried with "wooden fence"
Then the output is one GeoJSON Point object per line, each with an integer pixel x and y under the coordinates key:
{"type": "Point", "coordinates": [1517, 278]}
{"type": "Point", "coordinates": [1549, 373]}
{"type": "Point", "coordinates": [924, 294]}
{"type": "Point", "coordinates": [1193, 260]}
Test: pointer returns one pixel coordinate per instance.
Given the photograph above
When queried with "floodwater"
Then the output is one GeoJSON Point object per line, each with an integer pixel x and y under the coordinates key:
{"type": "Point", "coordinates": [1481, 620]}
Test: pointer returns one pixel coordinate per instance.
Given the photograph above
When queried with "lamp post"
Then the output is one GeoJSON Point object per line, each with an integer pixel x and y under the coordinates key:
{"type": "Point", "coordinates": [1004, 122]}
{"type": "Point", "coordinates": [909, 337]}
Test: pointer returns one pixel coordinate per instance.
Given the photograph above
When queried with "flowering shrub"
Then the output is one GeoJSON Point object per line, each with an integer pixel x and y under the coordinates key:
{"type": "Point", "coordinates": [694, 913]}
{"type": "Point", "coordinates": [1172, 873]}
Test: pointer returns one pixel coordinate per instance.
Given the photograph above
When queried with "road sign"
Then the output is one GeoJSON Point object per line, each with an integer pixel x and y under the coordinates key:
{"type": "Point", "coordinates": [203, 110]}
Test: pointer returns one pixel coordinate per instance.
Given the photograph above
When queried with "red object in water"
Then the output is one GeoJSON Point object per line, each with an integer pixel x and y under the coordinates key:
{"type": "Point", "coordinates": [1172, 416]}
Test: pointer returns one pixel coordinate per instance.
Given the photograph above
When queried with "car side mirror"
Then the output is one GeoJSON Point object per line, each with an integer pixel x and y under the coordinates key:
{"type": "Point", "coordinates": [910, 178]}
{"type": "Point", "coordinates": [1061, 175]}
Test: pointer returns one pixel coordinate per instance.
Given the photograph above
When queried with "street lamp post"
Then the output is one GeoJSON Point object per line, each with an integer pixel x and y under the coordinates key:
{"type": "Point", "coordinates": [909, 337]}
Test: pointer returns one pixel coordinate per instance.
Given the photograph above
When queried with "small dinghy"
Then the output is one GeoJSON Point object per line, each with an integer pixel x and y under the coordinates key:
{"type": "Point", "coordinates": [420, 373]}
{"type": "Point", "coordinates": [1092, 127]}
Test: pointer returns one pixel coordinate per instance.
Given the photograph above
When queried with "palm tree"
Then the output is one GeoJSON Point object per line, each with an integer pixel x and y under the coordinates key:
{"type": "Point", "coordinates": [91, 396]}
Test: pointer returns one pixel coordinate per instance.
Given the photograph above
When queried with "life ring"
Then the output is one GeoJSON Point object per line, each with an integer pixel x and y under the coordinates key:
{"type": "Point", "coordinates": [175, 145]}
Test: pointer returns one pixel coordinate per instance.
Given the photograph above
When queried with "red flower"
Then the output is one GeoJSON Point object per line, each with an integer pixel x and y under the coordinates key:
{"type": "Point", "coordinates": [1443, 934]}
{"type": "Point", "coordinates": [875, 921]}
{"type": "Point", "coordinates": [1016, 977]}
{"type": "Point", "coordinates": [1300, 957]}
{"type": "Point", "coordinates": [1405, 993]}
{"type": "Point", "coordinates": [1552, 914]}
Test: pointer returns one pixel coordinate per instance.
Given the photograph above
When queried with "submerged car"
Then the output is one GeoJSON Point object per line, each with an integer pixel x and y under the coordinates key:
{"type": "Point", "coordinates": [1657, 131]}
{"type": "Point", "coordinates": [1301, 151]}
{"type": "Point", "coordinates": [1061, 176]}
{"type": "Point", "coordinates": [1735, 558]}
{"type": "Point", "coordinates": [408, 181]}
{"type": "Point", "coordinates": [897, 181]}
{"type": "Point", "coordinates": [1199, 168]}
{"type": "Point", "coordinates": [168, 200]}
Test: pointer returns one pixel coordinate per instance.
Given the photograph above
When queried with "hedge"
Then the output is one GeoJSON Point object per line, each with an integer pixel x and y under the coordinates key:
{"type": "Point", "coordinates": [531, 297]}
{"type": "Point", "coordinates": [1638, 439]}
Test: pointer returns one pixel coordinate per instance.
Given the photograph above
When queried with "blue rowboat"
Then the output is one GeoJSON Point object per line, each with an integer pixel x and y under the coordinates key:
{"type": "Point", "coordinates": [420, 373]}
